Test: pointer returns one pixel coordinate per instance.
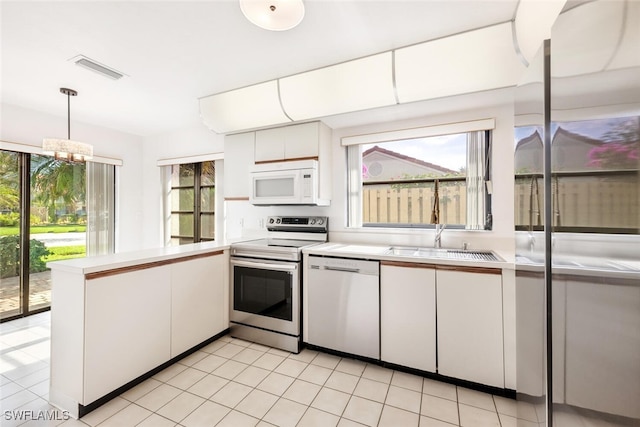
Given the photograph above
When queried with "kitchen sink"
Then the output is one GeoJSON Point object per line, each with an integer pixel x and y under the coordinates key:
{"type": "Point", "coordinates": [403, 251]}
{"type": "Point", "coordinates": [454, 254]}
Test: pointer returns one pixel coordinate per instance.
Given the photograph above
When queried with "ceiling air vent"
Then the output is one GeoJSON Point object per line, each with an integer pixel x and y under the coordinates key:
{"type": "Point", "coordinates": [92, 65]}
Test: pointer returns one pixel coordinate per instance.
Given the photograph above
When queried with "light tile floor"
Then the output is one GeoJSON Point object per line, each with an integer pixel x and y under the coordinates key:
{"type": "Point", "coordinates": [237, 383]}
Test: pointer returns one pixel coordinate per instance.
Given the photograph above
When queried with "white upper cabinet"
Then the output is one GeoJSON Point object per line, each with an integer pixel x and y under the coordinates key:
{"type": "Point", "coordinates": [289, 143]}
{"type": "Point", "coordinates": [238, 160]}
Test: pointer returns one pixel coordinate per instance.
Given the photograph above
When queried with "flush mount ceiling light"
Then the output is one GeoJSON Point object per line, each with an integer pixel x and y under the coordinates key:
{"type": "Point", "coordinates": [66, 149]}
{"type": "Point", "coordinates": [274, 15]}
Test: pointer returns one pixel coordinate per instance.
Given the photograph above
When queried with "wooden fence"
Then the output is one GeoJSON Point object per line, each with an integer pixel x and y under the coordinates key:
{"type": "Point", "coordinates": [413, 205]}
{"type": "Point", "coordinates": [581, 201]}
{"type": "Point", "coordinates": [610, 201]}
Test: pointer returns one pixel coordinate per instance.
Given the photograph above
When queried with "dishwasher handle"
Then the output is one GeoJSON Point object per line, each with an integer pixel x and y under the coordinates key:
{"type": "Point", "coordinates": [345, 269]}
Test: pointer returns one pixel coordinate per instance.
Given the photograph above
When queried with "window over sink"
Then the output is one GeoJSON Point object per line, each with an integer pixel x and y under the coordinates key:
{"type": "Point", "coordinates": [420, 177]}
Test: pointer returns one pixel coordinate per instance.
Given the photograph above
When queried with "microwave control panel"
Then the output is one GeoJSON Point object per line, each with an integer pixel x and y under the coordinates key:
{"type": "Point", "coordinates": [307, 182]}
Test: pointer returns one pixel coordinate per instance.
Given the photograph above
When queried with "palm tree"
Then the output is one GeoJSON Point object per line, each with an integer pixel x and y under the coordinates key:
{"type": "Point", "coordinates": [53, 180]}
{"type": "Point", "coordinates": [9, 181]}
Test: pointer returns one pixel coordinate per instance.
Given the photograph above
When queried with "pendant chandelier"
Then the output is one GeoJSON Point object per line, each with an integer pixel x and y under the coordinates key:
{"type": "Point", "coordinates": [66, 149]}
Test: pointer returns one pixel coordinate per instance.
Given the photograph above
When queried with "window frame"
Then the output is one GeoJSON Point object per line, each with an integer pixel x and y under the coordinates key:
{"type": "Point", "coordinates": [355, 209]}
{"type": "Point", "coordinates": [197, 211]}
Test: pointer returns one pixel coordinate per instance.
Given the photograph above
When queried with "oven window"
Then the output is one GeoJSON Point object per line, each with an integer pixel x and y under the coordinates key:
{"type": "Point", "coordinates": [263, 292]}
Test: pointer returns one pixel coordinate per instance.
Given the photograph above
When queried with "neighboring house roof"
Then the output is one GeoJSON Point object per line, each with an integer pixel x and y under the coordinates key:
{"type": "Point", "coordinates": [534, 139]}
{"type": "Point", "coordinates": [406, 158]}
{"type": "Point", "coordinates": [570, 151]}
{"type": "Point", "coordinates": [563, 136]}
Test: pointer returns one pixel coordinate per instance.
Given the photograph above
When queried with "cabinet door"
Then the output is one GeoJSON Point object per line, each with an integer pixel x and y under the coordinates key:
{"type": "Point", "coordinates": [198, 303]}
{"type": "Point", "coordinates": [301, 141]}
{"type": "Point", "coordinates": [408, 316]}
{"type": "Point", "coordinates": [238, 159]}
{"type": "Point", "coordinates": [126, 328]}
{"type": "Point", "coordinates": [603, 346]}
{"type": "Point", "coordinates": [470, 340]}
{"type": "Point", "coordinates": [269, 145]}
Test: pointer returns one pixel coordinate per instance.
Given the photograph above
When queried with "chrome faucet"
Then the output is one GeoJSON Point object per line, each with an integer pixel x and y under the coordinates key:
{"type": "Point", "coordinates": [532, 242]}
{"type": "Point", "coordinates": [438, 239]}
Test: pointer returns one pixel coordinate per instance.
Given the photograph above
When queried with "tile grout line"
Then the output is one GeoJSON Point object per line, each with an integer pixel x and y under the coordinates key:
{"type": "Point", "coordinates": [290, 356]}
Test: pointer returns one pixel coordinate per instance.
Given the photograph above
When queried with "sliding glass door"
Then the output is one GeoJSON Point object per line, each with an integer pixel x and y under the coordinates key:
{"type": "Point", "coordinates": [10, 235]}
{"type": "Point", "coordinates": [49, 210]}
{"type": "Point", "coordinates": [57, 221]}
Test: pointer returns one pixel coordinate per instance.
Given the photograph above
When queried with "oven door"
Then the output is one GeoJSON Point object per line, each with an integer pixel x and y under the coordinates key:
{"type": "Point", "coordinates": [266, 294]}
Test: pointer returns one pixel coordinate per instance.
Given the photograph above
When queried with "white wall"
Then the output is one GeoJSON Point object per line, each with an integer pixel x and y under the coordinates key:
{"type": "Point", "coordinates": [23, 126]}
{"type": "Point", "coordinates": [189, 141]}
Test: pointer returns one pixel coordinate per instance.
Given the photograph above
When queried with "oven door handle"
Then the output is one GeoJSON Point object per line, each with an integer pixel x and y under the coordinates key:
{"type": "Point", "coordinates": [265, 265]}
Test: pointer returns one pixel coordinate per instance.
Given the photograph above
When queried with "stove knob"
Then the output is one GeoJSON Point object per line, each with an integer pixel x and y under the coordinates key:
{"type": "Point", "coordinates": [270, 220]}
{"type": "Point", "coordinates": [320, 221]}
{"type": "Point", "coordinates": [278, 221]}
{"type": "Point", "coordinates": [313, 221]}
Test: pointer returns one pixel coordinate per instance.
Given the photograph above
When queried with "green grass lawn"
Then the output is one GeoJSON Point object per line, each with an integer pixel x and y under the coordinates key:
{"type": "Point", "coordinates": [36, 229]}
{"type": "Point", "coordinates": [65, 252]}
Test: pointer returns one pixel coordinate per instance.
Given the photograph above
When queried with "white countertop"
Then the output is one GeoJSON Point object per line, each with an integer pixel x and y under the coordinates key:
{"type": "Point", "coordinates": [126, 259]}
{"type": "Point", "coordinates": [579, 266]}
{"type": "Point", "coordinates": [380, 253]}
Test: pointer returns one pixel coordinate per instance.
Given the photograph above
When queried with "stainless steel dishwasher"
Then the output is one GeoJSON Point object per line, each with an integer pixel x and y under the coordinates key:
{"type": "Point", "coordinates": [344, 305]}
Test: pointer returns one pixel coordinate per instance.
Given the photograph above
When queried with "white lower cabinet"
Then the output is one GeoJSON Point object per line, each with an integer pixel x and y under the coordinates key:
{"type": "Point", "coordinates": [127, 330]}
{"type": "Point", "coordinates": [408, 315]}
{"type": "Point", "coordinates": [199, 295]}
{"type": "Point", "coordinates": [111, 326]}
{"type": "Point", "coordinates": [603, 345]}
{"type": "Point", "coordinates": [470, 335]}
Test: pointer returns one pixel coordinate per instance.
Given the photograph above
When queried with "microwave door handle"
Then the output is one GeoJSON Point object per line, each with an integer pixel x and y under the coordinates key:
{"type": "Point", "coordinates": [265, 266]}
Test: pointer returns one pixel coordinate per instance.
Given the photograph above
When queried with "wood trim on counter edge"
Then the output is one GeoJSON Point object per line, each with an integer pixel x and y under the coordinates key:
{"type": "Point", "coordinates": [235, 199]}
{"type": "Point", "coordinates": [147, 265]}
{"type": "Point", "coordinates": [264, 162]}
{"type": "Point", "coordinates": [465, 269]}
{"type": "Point", "coordinates": [408, 264]}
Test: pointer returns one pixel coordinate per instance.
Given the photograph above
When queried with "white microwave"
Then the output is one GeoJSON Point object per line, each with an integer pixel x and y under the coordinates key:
{"type": "Point", "coordinates": [286, 183]}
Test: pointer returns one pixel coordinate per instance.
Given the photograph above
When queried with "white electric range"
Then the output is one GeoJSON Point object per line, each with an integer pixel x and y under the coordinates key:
{"type": "Point", "coordinates": [266, 281]}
